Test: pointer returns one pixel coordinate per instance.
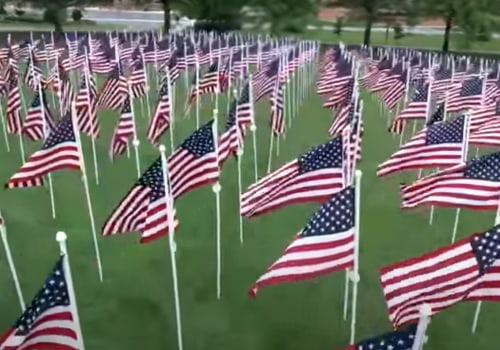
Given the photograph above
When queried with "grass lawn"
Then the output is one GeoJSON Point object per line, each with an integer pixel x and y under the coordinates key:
{"type": "Point", "coordinates": [133, 308]}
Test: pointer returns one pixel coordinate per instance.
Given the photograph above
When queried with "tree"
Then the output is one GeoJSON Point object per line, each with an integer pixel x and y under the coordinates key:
{"type": "Point", "coordinates": [166, 15]}
{"type": "Point", "coordinates": [471, 17]}
{"type": "Point", "coordinates": [56, 11]}
{"type": "Point", "coordinates": [372, 11]}
{"type": "Point", "coordinates": [213, 14]}
{"type": "Point", "coordinates": [286, 15]}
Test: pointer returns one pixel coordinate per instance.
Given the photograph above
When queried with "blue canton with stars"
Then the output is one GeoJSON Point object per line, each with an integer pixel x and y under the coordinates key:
{"type": "Point", "coordinates": [335, 216]}
{"type": "Point", "coordinates": [472, 87]}
{"type": "Point", "coordinates": [63, 133]}
{"type": "Point", "coordinates": [396, 340]}
{"type": "Point", "coordinates": [200, 142]}
{"type": "Point", "coordinates": [448, 132]}
{"type": "Point", "coordinates": [153, 179]}
{"type": "Point", "coordinates": [486, 248]}
{"type": "Point", "coordinates": [54, 293]}
{"type": "Point", "coordinates": [328, 155]}
{"type": "Point", "coordinates": [231, 116]}
{"type": "Point", "coordinates": [126, 106]}
{"type": "Point", "coordinates": [421, 93]}
{"type": "Point", "coordinates": [486, 168]}
{"type": "Point", "coordinates": [164, 89]}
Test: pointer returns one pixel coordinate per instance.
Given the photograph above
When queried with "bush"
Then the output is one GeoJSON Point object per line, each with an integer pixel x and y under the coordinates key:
{"type": "Point", "coordinates": [483, 33]}
{"type": "Point", "coordinates": [293, 27]}
{"type": "Point", "coordinates": [398, 31]}
{"type": "Point", "coordinates": [19, 12]}
{"type": "Point", "coordinates": [219, 25]}
{"type": "Point", "coordinates": [338, 26]}
{"type": "Point", "coordinates": [77, 15]}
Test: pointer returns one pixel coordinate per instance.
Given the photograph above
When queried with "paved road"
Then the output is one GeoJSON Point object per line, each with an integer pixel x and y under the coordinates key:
{"type": "Point", "coordinates": [152, 19]}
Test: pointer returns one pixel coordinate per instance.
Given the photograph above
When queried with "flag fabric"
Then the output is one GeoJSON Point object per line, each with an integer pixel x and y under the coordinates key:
{"type": "Point", "coordinates": [440, 145]}
{"type": "Point", "coordinates": [277, 119]}
{"type": "Point", "coordinates": [230, 139]}
{"type": "Point", "coordinates": [401, 339]}
{"type": "Point", "coordinates": [13, 108]}
{"type": "Point", "coordinates": [160, 121]}
{"type": "Point", "coordinates": [473, 185]}
{"type": "Point", "coordinates": [245, 107]}
{"type": "Point", "coordinates": [343, 118]}
{"type": "Point", "coordinates": [195, 162]}
{"type": "Point", "coordinates": [86, 106]}
{"type": "Point", "coordinates": [114, 91]}
{"type": "Point", "coordinates": [145, 208]}
{"type": "Point", "coordinates": [487, 135]}
{"type": "Point", "coordinates": [325, 245]}
{"type": "Point", "coordinates": [314, 176]}
{"type": "Point", "coordinates": [417, 108]}
{"type": "Point", "coordinates": [124, 130]}
{"type": "Point", "coordinates": [440, 278]}
{"type": "Point", "coordinates": [39, 121]}
{"type": "Point", "coordinates": [59, 151]}
{"type": "Point", "coordinates": [470, 95]}
{"type": "Point", "coordinates": [49, 321]}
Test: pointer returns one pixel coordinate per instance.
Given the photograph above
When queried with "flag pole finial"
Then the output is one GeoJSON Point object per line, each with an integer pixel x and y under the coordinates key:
{"type": "Point", "coordinates": [61, 236]}
{"type": "Point", "coordinates": [162, 148]}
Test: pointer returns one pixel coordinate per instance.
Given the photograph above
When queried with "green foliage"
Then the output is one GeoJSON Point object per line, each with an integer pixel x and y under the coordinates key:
{"type": "Point", "coordinates": [338, 26]}
{"type": "Point", "coordinates": [19, 12]}
{"type": "Point", "coordinates": [76, 15]}
{"type": "Point", "coordinates": [287, 15]}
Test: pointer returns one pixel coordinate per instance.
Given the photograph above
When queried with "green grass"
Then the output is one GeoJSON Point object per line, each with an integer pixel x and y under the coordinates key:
{"type": "Point", "coordinates": [133, 308]}
{"type": "Point", "coordinates": [70, 26]}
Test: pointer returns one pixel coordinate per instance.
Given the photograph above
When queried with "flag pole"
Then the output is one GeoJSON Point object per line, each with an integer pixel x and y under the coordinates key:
{"type": "Point", "coordinates": [10, 261]}
{"type": "Point", "coordinates": [464, 160]}
{"type": "Point", "coordinates": [423, 322]}
{"type": "Point", "coordinates": [216, 188]}
{"type": "Point", "coordinates": [87, 191]}
{"type": "Point", "coordinates": [61, 239]}
{"type": "Point", "coordinates": [4, 128]}
{"type": "Point", "coordinates": [172, 109]}
{"type": "Point", "coordinates": [172, 245]}
{"type": "Point", "coordinates": [135, 140]}
{"type": "Point", "coordinates": [91, 110]}
{"type": "Point", "coordinates": [253, 129]}
{"type": "Point", "coordinates": [355, 271]}
{"type": "Point", "coordinates": [239, 155]}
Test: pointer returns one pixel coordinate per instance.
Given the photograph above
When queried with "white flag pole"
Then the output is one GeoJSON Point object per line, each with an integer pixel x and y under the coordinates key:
{"type": "Point", "coordinates": [216, 188]}
{"type": "Point", "coordinates": [10, 261]}
{"type": "Point", "coordinates": [171, 241]}
{"type": "Point", "coordinates": [239, 155]}
{"type": "Point", "coordinates": [423, 322]}
{"type": "Point", "coordinates": [61, 239]}
{"type": "Point", "coordinates": [87, 191]}
{"type": "Point", "coordinates": [45, 128]}
{"type": "Point", "coordinates": [355, 271]}
{"type": "Point", "coordinates": [135, 140]}
{"type": "Point", "coordinates": [253, 128]}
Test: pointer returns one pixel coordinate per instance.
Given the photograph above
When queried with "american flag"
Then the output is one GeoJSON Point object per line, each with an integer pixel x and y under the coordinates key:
{"type": "Point", "coordinates": [474, 185]}
{"type": "Point", "coordinates": [441, 278]}
{"type": "Point", "coordinates": [483, 115]}
{"type": "Point", "coordinates": [231, 138]}
{"type": "Point", "coordinates": [314, 176]}
{"type": "Point", "coordinates": [195, 162]}
{"type": "Point", "coordinates": [209, 83]}
{"type": "Point", "coordinates": [59, 151]}
{"type": "Point", "coordinates": [325, 245]}
{"type": "Point", "coordinates": [13, 110]}
{"type": "Point", "coordinates": [342, 95]}
{"type": "Point", "coordinates": [395, 91]}
{"type": "Point", "coordinates": [440, 145]}
{"type": "Point", "coordinates": [145, 208]}
{"type": "Point", "coordinates": [334, 78]}
{"type": "Point", "coordinates": [343, 118]}
{"type": "Point", "coordinates": [138, 79]}
{"type": "Point", "coordinates": [39, 121]}
{"type": "Point", "coordinates": [245, 106]}
{"type": "Point", "coordinates": [401, 339]}
{"type": "Point", "coordinates": [470, 95]}
{"type": "Point", "coordinates": [85, 105]}
{"type": "Point", "coordinates": [33, 74]}
{"type": "Point", "coordinates": [49, 321]}
{"type": "Point", "coordinates": [124, 130]}
{"type": "Point", "coordinates": [114, 91]}
{"type": "Point", "coordinates": [263, 81]}
{"type": "Point", "coordinates": [160, 121]}
{"type": "Point", "coordinates": [372, 77]}
{"type": "Point", "coordinates": [438, 116]}
{"type": "Point", "coordinates": [487, 135]}
{"type": "Point", "coordinates": [277, 110]}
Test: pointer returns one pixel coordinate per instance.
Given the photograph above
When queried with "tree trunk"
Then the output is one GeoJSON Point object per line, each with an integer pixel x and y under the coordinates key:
{"type": "Point", "coordinates": [447, 33]}
{"type": "Point", "coordinates": [368, 30]}
{"type": "Point", "coordinates": [166, 16]}
{"type": "Point", "coordinates": [58, 28]}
